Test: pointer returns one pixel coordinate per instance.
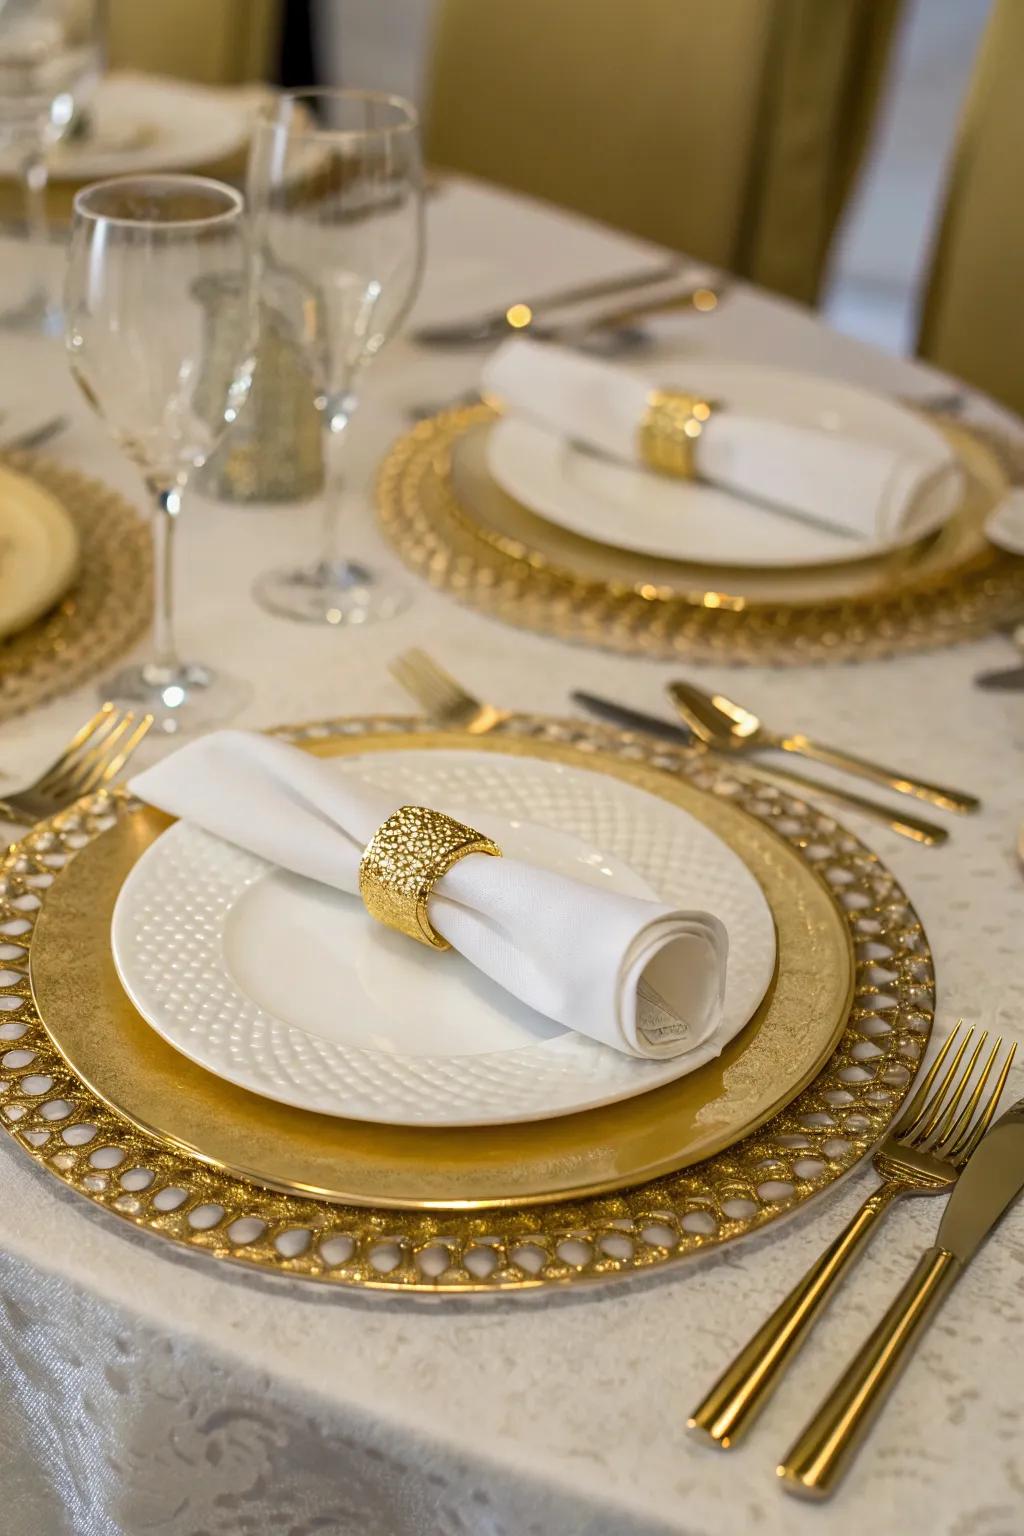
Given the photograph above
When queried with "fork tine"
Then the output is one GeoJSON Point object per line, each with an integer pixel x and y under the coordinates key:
{"type": "Point", "coordinates": [93, 730]}
{"type": "Point", "coordinates": [84, 774]}
{"type": "Point", "coordinates": [960, 1154]}
{"type": "Point", "coordinates": [927, 1119]}
{"type": "Point", "coordinates": [113, 767]}
{"type": "Point", "coordinates": [421, 676]}
{"type": "Point", "coordinates": [955, 1131]}
{"type": "Point", "coordinates": [914, 1111]}
{"type": "Point", "coordinates": [931, 1138]}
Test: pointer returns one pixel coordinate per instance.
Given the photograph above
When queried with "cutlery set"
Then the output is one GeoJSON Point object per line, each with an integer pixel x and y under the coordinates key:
{"type": "Point", "coordinates": [943, 1141]}
{"type": "Point", "coordinates": [717, 724]}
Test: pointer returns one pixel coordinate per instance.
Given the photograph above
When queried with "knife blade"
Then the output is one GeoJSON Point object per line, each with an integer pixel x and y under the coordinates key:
{"type": "Point", "coordinates": [633, 719]}
{"type": "Point", "coordinates": [986, 1189]}
{"type": "Point", "coordinates": [1011, 680]}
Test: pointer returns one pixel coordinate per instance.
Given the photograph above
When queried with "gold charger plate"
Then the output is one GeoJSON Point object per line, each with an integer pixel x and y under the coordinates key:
{"type": "Point", "coordinates": [107, 606]}
{"type": "Point", "coordinates": [39, 551]}
{"type": "Point", "coordinates": [446, 517]}
{"type": "Point", "coordinates": [167, 1191]}
{"type": "Point", "coordinates": [126, 1064]}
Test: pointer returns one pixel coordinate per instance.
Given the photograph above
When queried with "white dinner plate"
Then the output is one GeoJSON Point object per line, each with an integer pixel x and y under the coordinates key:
{"type": "Point", "coordinates": [286, 987]}
{"type": "Point", "coordinates": [633, 508]}
{"type": "Point", "coordinates": [143, 123]}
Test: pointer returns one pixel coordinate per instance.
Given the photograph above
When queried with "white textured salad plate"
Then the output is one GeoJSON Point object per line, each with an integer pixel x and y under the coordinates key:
{"type": "Point", "coordinates": [289, 989]}
{"type": "Point", "coordinates": [633, 508]}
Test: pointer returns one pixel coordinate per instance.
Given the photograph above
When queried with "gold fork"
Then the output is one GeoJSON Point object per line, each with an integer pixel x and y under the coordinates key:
{"type": "Point", "coordinates": [444, 700]}
{"type": "Point", "coordinates": [92, 759]}
{"type": "Point", "coordinates": [923, 1154]}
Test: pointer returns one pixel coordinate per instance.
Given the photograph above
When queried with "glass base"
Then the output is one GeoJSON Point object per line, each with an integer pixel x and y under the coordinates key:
{"type": "Point", "coordinates": [180, 699]}
{"type": "Point", "coordinates": [335, 594]}
{"type": "Point", "coordinates": [36, 316]}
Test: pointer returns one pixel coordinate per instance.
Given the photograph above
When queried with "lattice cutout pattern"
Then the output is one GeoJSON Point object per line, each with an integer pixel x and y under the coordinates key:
{"type": "Point", "coordinates": [813, 1142]}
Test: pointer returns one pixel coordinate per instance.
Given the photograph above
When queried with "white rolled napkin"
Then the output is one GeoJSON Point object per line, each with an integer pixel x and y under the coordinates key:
{"type": "Point", "coordinates": [859, 487]}
{"type": "Point", "coordinates": [637, 975]}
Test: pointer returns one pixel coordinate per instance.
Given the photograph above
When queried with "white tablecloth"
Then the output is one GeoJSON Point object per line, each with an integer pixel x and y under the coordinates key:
{"type": "Point", "coordinates": [146, 1390]}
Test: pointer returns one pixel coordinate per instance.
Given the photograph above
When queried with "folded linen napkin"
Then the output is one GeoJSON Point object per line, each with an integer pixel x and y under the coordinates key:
{"type": "Point", "coordinates": [634, 974]}
{"type": "Point", "coordinates": [859, 487]}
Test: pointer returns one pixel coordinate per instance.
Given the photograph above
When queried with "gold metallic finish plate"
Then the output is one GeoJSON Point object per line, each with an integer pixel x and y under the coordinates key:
{"type": "Point", "coordinates": [211, 1166]}
{"type": "Point", "coordinates": [106, 608]}
{"type": "Point", "coordinates": [449, 521]}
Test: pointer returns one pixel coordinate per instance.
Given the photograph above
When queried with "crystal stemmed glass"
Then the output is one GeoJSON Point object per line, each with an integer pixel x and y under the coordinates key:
{"type": "Point", "coordinates": [50, 59]}
{"type": "Point", "coordinates": [336, 203]}
{"type": "Point", "coordinates": [143, 249]}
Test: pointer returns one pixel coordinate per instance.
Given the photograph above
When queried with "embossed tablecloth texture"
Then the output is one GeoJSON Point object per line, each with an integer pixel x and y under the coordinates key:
{"type": "Point", "coordinates": [150, 1392]}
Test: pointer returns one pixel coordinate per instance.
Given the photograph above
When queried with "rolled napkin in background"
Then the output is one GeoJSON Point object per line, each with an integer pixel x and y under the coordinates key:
{"type": "Point", "coordinates": [860, 488]}
{"type": "Point", "coordinates": [637, 975]}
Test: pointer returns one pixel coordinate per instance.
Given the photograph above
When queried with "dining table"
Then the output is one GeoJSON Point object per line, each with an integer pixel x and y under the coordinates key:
{"type": "Point", "coordinates": [149, 1389]}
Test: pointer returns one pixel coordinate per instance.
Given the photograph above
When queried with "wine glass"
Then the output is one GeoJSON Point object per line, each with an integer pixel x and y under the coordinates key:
{"type": "Point", "coordinates": [143, 250]}
{"type": "Point", "coordinates": [50, 60]}
{"type": "Point", "coordinates": [336, 204]}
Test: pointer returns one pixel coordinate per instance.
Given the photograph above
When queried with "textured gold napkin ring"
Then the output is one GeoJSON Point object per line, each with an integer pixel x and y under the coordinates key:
{"type": "Point", "coordinates": [404, 860]}
{"type": "Point", "coordinates": [670, 429]}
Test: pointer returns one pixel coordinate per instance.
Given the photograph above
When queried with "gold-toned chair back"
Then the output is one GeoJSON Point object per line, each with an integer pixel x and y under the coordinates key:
{"type": "Point", "coordinates": [729, 131]}
{"type": "Point", "coordinates": [218, 42]}
{"type": "Point", "coordinates": [973, 316]}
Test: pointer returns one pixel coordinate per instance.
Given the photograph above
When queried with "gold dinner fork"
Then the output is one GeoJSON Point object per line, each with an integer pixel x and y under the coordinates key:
{"type": "Point", "coordinates": [92, 759]}
{"type": "Point", "coordinates": [923, 1154]}
{"type": "Point", "coordinates": [445, 701]}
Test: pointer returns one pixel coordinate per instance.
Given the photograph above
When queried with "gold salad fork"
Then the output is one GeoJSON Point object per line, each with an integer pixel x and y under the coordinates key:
{"type": "Point", "coordinates": [444, 700]}
{"type": "Point", "coordinates": [92, 759]}
{"type": "Point", "coordinates": [923, 1154]}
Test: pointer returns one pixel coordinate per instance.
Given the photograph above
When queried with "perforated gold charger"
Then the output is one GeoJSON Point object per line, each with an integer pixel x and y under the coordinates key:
{"type": "Point", "coordinates": [106, 608]}
{"type": "Point", "coordinates": [439, 507]}
{"type": "Point", "coordinates": [164, 1189]}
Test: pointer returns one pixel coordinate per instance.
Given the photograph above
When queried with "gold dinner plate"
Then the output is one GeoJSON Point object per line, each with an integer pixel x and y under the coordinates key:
{"type": "Point", "coordinates": [126, 1064]}
{"type": "Point", "coordinates": [39, 550]}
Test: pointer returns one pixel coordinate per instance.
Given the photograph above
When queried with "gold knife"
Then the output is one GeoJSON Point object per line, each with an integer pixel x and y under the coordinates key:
{"type": "Point", "coordinates": [986, 1189]}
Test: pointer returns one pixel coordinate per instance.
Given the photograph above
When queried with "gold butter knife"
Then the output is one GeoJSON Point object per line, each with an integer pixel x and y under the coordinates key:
{"type": "Point", "coordinates": [991, 1182]}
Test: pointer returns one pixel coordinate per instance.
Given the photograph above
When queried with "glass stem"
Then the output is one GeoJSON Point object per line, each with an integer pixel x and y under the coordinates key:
{"type": "Point", "coordinates": [165, 664]}
{"type": "Point", "coordinates": [34, 178]}
{"type": "Point", "coordinates": [337, 418]}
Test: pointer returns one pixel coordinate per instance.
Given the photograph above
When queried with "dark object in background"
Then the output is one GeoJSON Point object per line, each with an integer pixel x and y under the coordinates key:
{"type": "Point", "coordinates": [297, 64]}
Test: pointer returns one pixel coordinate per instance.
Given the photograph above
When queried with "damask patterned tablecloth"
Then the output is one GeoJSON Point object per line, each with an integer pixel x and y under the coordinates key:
{"type": "Point", "coordinates": [147, 1391]}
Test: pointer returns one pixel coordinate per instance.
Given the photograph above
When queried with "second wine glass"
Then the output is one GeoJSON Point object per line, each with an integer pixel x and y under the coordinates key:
{"type": "Point", "coordinates": [336, 201]}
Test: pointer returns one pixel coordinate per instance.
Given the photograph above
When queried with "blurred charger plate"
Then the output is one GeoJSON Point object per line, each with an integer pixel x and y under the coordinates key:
{"type": "Point", "coordinates": [39, 551]}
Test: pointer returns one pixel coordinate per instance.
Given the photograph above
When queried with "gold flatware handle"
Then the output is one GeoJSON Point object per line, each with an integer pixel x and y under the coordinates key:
{"type": "Point", "coordinates": [744, 1388]}
{"type": "Point", "coordinates": [848, 762]}
{"type": "Point", "coordinates": [914, 827]}
{"type": "Point", "coordinates": [819, 1458]}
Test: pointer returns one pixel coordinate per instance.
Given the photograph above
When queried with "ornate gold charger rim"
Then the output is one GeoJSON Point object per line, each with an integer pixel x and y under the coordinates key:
{"type": "Point", "coordinates": [107, 606]}
{"type": "Point", "coordinates": [111, 1050]}
{"type": "Point", "coordinates": [811, 1143]}
{"type": "Point", "coordinates": [424, 516]}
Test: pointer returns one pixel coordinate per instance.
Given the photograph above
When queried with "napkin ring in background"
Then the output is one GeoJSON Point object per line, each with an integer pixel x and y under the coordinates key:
{"type": "Point", "coordinates": [670, 429]}
{"type": "Point", "coordinates": [404, 860]}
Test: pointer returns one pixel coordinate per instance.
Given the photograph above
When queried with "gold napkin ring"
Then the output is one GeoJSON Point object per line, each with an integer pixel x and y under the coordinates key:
{"type": "Point", "coordinates": [670, 429]}
{"type": "Point", "coordinates": [404, 860]}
